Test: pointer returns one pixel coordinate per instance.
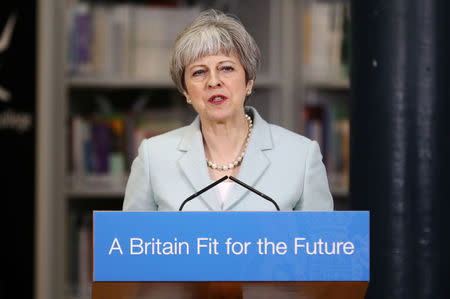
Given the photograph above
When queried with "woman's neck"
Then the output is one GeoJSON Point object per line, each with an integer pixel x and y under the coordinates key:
{"type": "Point", "coordinates": [224, 142]}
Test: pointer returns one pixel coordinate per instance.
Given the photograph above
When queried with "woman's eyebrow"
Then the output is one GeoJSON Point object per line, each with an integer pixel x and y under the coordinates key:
{"type": "Point", "coordinates": [204, 65]}
{"type": "Point", "coordinates": [224, 61]}
{"type": "Point", "coordinates": [196, 65]}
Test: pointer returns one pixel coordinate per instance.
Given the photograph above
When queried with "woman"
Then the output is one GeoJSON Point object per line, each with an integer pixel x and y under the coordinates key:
{"type": "Point", "coordinates": [214, 63]}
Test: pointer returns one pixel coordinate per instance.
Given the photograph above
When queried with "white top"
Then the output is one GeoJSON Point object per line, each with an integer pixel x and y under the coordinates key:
{"type": "Point", "coordinates": [223, 190]}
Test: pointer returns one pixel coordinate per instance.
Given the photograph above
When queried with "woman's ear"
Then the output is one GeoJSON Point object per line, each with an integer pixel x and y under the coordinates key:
{"type": "Point", "coordinates": [249, 87]}
{"type": "Point", "coordinates": [186, 95]}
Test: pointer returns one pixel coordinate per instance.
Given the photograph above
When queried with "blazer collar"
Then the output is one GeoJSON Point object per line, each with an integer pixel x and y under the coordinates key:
{"type": "Point", "coordinates": [255, 161]}
{"type": "Point", "coordinates": [193, 162]}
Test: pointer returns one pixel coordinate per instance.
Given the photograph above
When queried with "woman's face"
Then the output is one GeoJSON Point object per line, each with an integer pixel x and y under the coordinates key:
{"type": "Point", "coordinates": [216, 87]}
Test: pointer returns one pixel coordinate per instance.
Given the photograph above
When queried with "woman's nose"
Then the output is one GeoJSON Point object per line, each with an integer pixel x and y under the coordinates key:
{"type": "Point", "coordinates": [214, 80]}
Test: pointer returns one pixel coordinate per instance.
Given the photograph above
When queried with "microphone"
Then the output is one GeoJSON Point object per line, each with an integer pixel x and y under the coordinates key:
{"type": "Point", "coordinates": [255, 191]}
{"type": "Point", "coordinates": [201, 191]}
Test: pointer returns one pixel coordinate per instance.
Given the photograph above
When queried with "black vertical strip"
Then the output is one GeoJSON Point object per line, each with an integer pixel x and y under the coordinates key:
{"type": "Point", "coordinates": [440, 165]}
{"type": "Point", "coordinates": [423, 90]}
{"type": "Point", "coordinates": [378, 129]}
{"type": "Point", "coordinates": [17, 150]}
{"type": "Point", "coordinates": [399, 155]}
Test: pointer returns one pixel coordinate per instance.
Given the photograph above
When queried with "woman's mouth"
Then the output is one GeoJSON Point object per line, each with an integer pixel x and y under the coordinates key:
{"type": "Point", "coordinates": [217, 99]}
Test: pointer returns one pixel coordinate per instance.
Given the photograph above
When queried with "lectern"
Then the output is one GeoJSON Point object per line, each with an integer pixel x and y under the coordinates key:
{"type": "Point", "coordinates": [230, 255]}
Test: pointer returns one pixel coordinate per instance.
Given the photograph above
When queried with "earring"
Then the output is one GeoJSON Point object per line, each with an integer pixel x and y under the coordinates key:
{"type": "Point", "coordinates": [189, 101]}
{"type": "Point", "coordinates": [249, 92]}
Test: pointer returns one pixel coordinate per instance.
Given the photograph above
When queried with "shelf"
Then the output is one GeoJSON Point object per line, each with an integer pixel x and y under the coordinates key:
{"type": "Point", "coordinates": [128, 82]}
{"type": "Point", "coordinates": [337, 186]}
{"type": "Point", "coordinates": [339, 191]}
{"type": "Point", "coordinates": [327, 83]}
{"type": "Point", "coordinates": [118, 82]}
{"type": "Point", "coordinates": [263, 81]}
{"type": "Point", "coordinates": [96, 186]}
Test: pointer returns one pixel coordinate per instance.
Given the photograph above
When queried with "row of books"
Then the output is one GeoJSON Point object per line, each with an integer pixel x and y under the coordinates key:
{"type": "Point", "coordinates": [329, 125]}
{"type": "Point", "coordinates": [107, 144]}
{"type": "Point", "coordinates": [123, 40]}
{"type": "Point", "coordinates": [326, 39]}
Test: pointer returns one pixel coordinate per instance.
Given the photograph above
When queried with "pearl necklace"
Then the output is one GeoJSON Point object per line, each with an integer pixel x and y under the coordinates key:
{"type": "Point", "coordinates": [240, 157]}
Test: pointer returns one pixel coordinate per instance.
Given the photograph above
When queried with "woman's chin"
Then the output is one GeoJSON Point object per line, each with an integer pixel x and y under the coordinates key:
{"type": "Point", "coordinates": [220, 115]}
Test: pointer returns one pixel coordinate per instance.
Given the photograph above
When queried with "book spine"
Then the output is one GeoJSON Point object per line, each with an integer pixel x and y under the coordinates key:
{"type": "Point", "coordinates": [101, 142]}
{"type": "Point", "coordinates": [99, 40]}
{"type": "Point", "coordinates": [78, 128]}
{"type": "Point", "coordinates": [83, 39]}
{"type": "Point", "coordinates": [84, 256]}
{"type": "Point", "coordinates": [71, 39]}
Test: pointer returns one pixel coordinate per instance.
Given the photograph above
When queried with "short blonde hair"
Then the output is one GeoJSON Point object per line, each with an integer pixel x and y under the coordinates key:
{"type": "Point", "coordinates": [212, 33]}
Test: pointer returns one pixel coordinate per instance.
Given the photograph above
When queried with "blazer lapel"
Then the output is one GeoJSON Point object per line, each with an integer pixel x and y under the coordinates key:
{"type": "Point", "coordinates": [193, 164]}
{"type": "Point", "coordinates": [255, 160]}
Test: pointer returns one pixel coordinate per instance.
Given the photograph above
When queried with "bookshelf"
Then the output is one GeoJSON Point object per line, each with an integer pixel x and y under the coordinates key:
{"type": "Point", "coordinates": [69, 93]}
{"type": "Point", "coordinates": [121, 83]}
{"type": "Point", "coordinates": [326, 87]}
{"type": "Point", "coordinates": [328, 84]}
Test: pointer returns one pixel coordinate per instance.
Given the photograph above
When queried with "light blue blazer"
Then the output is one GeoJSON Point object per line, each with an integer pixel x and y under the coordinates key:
{"type": "Point", "coordinates": [284, 165]}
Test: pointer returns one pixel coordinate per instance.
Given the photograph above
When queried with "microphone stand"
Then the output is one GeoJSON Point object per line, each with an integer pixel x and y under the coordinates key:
{"type": "Point", "coordinates": [254, 190]}
{"type": "Point", "coordinates": [201, 191]}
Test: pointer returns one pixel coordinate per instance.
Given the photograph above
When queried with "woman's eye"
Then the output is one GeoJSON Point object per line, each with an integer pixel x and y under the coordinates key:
{"type": "Point", "coordinates": [227, 68]}
{"type": "Point", "coordinates": [198, 72]}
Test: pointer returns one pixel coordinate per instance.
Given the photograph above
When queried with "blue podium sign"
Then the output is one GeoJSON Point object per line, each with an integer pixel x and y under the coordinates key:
{"type": "Point", "coordinates": [231, 246]}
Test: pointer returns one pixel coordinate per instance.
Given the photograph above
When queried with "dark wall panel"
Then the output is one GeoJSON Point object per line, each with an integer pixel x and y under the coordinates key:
{"type": "Point", "coordinates": [17, 150]}
{"type": "Point", "coordinates": [400, 136]}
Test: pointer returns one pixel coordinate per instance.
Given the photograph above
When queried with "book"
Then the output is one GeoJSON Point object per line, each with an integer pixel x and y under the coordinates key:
{"type": "Point", "coordinates": [84, 258]}
{"type": "Point", "coordinates": [101, 141]}
{"type": "Point", "coordinates": [83, 39]}
{"type": "Point", "coordinates": [101, 56]}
